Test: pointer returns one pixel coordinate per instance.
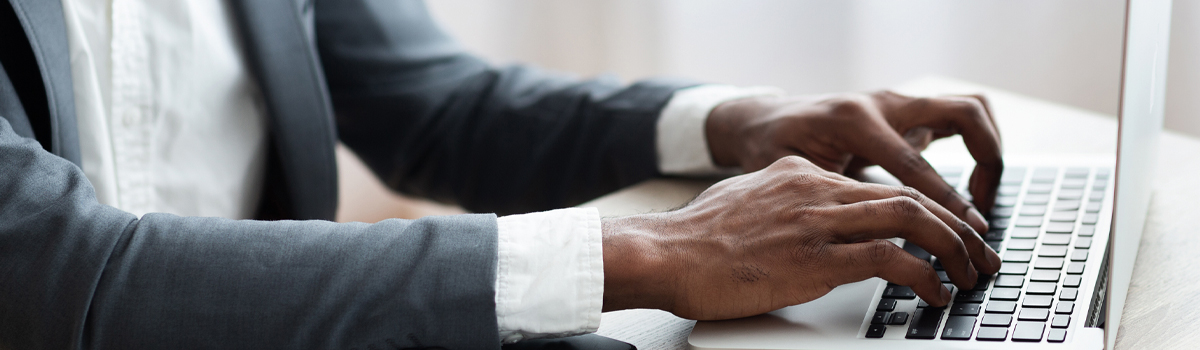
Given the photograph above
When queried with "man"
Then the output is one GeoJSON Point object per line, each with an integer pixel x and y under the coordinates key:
{"type": "Point", "coordinates": [111, 112]}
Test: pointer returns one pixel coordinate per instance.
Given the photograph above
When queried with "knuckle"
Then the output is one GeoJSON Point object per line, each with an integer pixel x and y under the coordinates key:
{"type": "Point", "coordinates": [850, 105]}
{"type": "Point", "coordinates": [881, 252]}
{"type": "Point", "coordinates": [910, 192]}
{"type": "Point", "coordinates": [904, 207]}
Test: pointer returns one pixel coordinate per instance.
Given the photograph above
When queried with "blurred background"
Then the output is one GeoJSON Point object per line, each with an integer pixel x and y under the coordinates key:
{"type": "Point", "coordinates": [1065, 51]}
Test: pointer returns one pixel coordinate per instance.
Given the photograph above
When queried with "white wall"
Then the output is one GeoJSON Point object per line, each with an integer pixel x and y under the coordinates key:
{"type": "Point", "coordinates": [1065, 50]}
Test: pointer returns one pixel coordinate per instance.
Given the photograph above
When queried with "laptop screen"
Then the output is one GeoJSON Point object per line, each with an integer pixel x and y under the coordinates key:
{"type": "Point", "coordinates": [1143, 85]}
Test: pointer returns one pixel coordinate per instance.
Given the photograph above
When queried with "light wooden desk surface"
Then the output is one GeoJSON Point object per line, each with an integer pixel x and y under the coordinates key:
{"type": "Point", "coordinates": [1163, 307]}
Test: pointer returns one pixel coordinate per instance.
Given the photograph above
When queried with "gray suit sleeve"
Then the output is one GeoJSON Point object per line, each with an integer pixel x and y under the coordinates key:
{"type": "Point", "coordinates": [431, 120]}
{"type": "Point", "coordinates": [75, 274]}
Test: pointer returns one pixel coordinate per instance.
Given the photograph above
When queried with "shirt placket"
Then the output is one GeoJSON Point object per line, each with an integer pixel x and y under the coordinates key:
{"type": "Point", "coordinates": [131, 121]}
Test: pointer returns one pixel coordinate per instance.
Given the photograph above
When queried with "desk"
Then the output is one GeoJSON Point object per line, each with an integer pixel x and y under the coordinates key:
{"type": "Point", "coordinates": [1163, 307]}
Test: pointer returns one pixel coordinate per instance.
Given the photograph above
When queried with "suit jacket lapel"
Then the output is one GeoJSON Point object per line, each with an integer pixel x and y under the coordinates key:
{"type": "Point", "coordinates": [47, 33]}
{"type": "Point", "coordinates": [281, 51]}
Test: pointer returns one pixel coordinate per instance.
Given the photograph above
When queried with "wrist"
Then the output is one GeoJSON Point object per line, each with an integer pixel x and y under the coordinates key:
{"type": "Point", "coordinates": [636, 272]}
{"type": "Point", "coordinates": [723, 127]}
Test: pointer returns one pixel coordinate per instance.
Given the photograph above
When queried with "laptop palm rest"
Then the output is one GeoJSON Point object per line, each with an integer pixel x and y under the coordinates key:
{"type": "Point", "coordinates": [835, 317]}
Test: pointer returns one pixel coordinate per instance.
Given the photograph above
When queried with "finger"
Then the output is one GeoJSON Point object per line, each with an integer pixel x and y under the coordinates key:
{"type": "Point", "coordinates": [983, 187]}
{"type": "Point", "coordinates": [906, 218]}
{"type": "Point", "coordinates": [971, 118]}
{"type": "Point", "coordinates": [892, 153]}
{"type": "Point", "coordinates": [879, 258]}
{"type": "Point", "coordinates": [983, 257]}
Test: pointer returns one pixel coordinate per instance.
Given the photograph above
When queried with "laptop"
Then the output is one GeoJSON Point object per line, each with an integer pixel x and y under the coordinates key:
{"type": "Point", "coordinates": [1067, 228]}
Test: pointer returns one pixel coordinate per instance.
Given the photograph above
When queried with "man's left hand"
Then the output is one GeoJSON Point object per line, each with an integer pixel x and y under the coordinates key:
{"type": "Point", "coordinates": [847, 132]}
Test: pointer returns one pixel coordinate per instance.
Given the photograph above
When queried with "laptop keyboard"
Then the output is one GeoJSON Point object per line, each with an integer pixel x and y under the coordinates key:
{"type": "Point", "coordinates": [1042, 227]}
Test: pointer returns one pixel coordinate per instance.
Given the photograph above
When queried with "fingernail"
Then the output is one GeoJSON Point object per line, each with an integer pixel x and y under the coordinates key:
{"type": "Point", "coordinates": [976, 220]}
{"type": "Point", "coordinates": [945, 295]}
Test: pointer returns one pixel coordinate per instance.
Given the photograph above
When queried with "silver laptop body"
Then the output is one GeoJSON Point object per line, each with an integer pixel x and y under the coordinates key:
{"type": "Point", "coordinates": [1068, 228]}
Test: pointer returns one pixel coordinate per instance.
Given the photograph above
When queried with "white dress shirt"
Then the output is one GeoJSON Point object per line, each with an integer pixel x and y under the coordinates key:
{"type": "Point", "coordinates": [170, 120]}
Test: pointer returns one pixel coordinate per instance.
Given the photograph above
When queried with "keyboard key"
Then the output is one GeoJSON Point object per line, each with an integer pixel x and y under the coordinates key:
{"type": "Point", "coordinates": [1003, 201]}
{"type": "Point", "coordinates": [1100, 183]}
{"type": "Point", "coordinates": [999, 223]}
{"type": "Point", "coordinates": [1022, 244]}
{"type": "Point", "coordinates": [1017, 256]}
{"type": "Point", "coordinates": [1060, 321]}
{"type": "Point", "coordinates": [969, 296]}
{"type": "Point", "coordinates": [1033, 315]}
{"type": "Point", "coordinates": [1013, 175]}
{"type": "Point", "coordinates": [917, 251]}
{"type": "Point", "coordinates": [1033, 210]}
{"type": "Point", "coordinates": [1057, 336]}
{"type": "Point", "coordinates": [1044, 276]}
{"type": "Point", "coordinates": [943, 276]}
{"type": "Point", "coordinates": [1057, 239]}
{"type": "Point", "coordinates": [1066, 206]}
{"type": "Point", "coordinates": [1073, 183]}
{"type": "Point", "coordinates": [1000, 212]}
{"type": "Point", "coordinates": [967, 309]}
{"type": "Point", "coordinates": [992, 333]}
{"type": "Point", "coordinates": [1041, 288]}
{"type": "Point", "coordinates": [1096, 196]}
{"type": "Point", "coordinates": [1060, 227]}
{"type": "Point", "coordinates": [1028, 331]}
{"type": "Point", "coordinates": [994, 235]}
{"type": "Point", "coordinates": [1044, 175]}
{"type": "Point", "coordinates": [898, 318]}
{"type": "Point", "coordinates": [1055, 251]}
{"type": "Point", "coordinates": [1001, 307]}
{"type": "Point", "coordinates": [1063, 307]}
{"type": "Point", "coordinates": [1087, 230]}
{"type": "Point", "coordinates": [1083, 243]}
{"type": "Point", "coordinates": [1010, 281]}
{"type": "Point", "coordinates": [876, 331]}
{"type": "Point", "coordinates": [1037, 199]}
{"type": "Point", "coordinates": [998, 320]}
{"type": "Point", "coordinates": [1072, 281]}
{"type": "Point", "coordinates": [898, 292]}
{"type": "Point", "coordinates": [1024, 232]}
{"type": "Point", "coordinates": [1102, 173]}
{"type": "Point", "coordinates": [1062, 216]}
{"type": "Point", "coordinates": [1094, 207]}
{"type": "Point", "coordinates": [981, 283]}
{"type": "Point", "coordinates": [1070, 194]}
{"type": "Point", "coordinates": [886, 305]}
{"type": "Point", "coordinates": [1068, 294]}
{"type": "Point", "coordinates": [1009, 190]}
{"type": "Point", "coordinates": [1029, 221]}
{"type": "Point", "coordinates": [1014, 269]}
{"type": "Point", "coordinates": [925, 323]}
{"type": "Point", "coordinates": [880, 317]}
{"type": "Point", "coordinates": [1089, 219]}
{"type": "Point", "coordinates": [1075, 268]}
{"type": "Point", "coordinates": [1048, 263]}
{"type": "Point", "coordinates": [1006, 293]}
{"type": "Point", "coordinates": [1037, 301]}
{"type": "Point", "coordinates": [995, 245]}
{"type": "Point", "coordinates": [1076, 172]}
{"type": "Point", "coordinates": [922, 303]}
{"type": "Point", "coordinates": [1079, 255]}
{"type": "Point", "coordinates": [959, 327]}
{"type": "Point", "coordinates": [1039, 188]}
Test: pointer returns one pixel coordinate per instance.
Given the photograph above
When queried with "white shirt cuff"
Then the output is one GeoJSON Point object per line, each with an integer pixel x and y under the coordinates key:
{"type": "Point", "coordinates": [549, 274]}
{"type": "Point", "coordinates": [681, 142]}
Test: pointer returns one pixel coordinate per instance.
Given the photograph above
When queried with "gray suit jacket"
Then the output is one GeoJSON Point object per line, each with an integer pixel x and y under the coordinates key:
{"type": "Point", "coordinates": [378, 75]}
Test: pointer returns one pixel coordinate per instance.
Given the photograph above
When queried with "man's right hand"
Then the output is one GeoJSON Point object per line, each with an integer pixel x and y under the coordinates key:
{"type": "Point", "coordinates": [783, 236]}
